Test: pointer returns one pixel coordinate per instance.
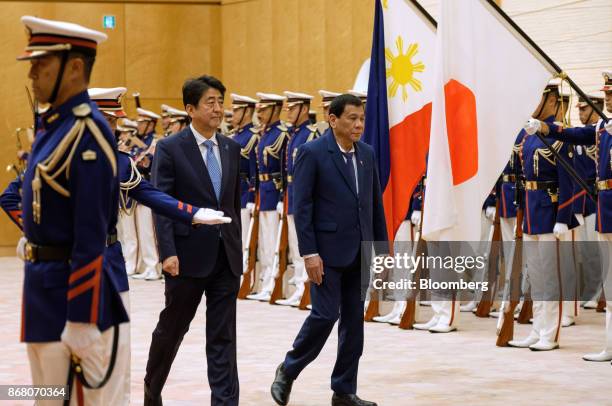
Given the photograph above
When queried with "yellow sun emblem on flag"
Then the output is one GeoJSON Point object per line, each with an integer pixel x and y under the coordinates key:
{"type": "Point", "coordinates": [402, 69]}
{"type": "Point", "coordinates": [385, 3]}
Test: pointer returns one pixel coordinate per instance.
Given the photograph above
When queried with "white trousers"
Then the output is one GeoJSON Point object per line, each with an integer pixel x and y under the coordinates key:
{"type": "Point", "coordinates": [50, 362]}
{"type": "Point", "coordinates": [606, 253]}
{"type": "Point", "coordinates": [148, 258]}
{"type": "Point", "coordinates": [541, 257]}
{"type": "Point", "coordinates": [589, 258]}
{"type": "Point", "coordinates": [126, 232]}
{"type": "Point", "coordinates": [268, 228]}
{"type": "Point", "coordinates": [298, 262]}
{"type": "Point", "coordinates": [245, 221]}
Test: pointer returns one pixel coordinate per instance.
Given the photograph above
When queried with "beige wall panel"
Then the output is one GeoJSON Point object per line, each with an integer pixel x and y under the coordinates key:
{"type": "Point", "coordinates": [165, 44]}
{"type": "Point", "coordinates": [312, 68]}
{"type": "Point", "coordinates": [286, 45]}
{"type": "Point", "coordinates": [301, 45]}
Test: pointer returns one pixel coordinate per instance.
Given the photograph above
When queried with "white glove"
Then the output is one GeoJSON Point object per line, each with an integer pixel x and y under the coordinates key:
{"type": "Point", "coordinates": [250, 207]}
{"type": "Point", "coordinates": [608, 126]}
{"type": "Point", "coordinates": [532, 126]}
{"type": "Point", "coordinates": [80, 337]}
{"type": "Point", "coordinates": [560, 229]}
{"type": "Point", "coordinates": [210, 217]}
{"type": "Point", "coordinates": [280, 208]}
{"type": "Point", "coordinates": [490, 213]}
{"type": "Point", "coordinates": [415, 218]}
{"type": "Point", "coordinates": [21, 248]}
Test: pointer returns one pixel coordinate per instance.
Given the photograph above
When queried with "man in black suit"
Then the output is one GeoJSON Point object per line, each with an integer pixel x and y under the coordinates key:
{"type": "Point", "coordinates": [338, 206]}
{"type": "Point", "coordinates": [201, 166]}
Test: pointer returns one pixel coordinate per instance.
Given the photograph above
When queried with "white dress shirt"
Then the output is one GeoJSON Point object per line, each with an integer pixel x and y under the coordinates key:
{"type": "Point", "coordinates": [200, 139]}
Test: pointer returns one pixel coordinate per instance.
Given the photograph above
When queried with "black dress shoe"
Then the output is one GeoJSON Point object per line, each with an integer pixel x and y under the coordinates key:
{"type": "Point", "coordinates": [349, 400]}
{"type": "Point", "coordinates": [281, 387]}
{"type": "Point", "coordinates": [151, 399]}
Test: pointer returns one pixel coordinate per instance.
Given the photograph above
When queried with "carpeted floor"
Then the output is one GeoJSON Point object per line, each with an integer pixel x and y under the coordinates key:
{"type": "Point", "coordinates": [398, 367]}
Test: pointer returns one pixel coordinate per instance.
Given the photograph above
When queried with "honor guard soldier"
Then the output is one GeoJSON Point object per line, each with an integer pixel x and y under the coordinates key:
{"type": "Point", "coordinates": [147, 120]}
{"type": "Point", "coordinates": [298, 106]}
{"type": "Point", "coordinates": [601, 137]}
{"type": "Point", "coordinates": [247, 136]}
{"type": "Point", "coordinates": [548, 218]}
{"type": "Point", "coordinates": [326, 98]}
{"type": "Point", "coordinates": [165, 119]}
{"type": "Point", "coordinates": [270, 156]}
{"type": "Point", "coordinates": [585, 163]}
{"type": "Point", "coordinates": [147, 267]}
{"type": "Point", "coordinates": [132, 187]}
{"type": "Point", "coordinates": [70, 196]}
{"type": "Point", "coordinates": [178, 119]}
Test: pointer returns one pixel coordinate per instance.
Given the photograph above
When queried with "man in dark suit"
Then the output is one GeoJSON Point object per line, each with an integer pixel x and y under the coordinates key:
{"type": "Point", "coordinates": [338, 205]}
{"type": "Point", "coordinates": [201, 166]}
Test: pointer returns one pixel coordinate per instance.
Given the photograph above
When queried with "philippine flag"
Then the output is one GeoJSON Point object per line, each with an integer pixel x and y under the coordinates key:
{"type": "Point", "coordinates": [400, 94]}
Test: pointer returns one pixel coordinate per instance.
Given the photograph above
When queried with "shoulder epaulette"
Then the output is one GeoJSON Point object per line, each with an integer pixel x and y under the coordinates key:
{"type": "Point", "coordinates": [246, 151]}
{"type": "Point", "coordinates": [314, 132]}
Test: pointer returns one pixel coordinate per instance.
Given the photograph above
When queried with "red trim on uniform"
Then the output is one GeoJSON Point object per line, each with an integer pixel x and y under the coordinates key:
{"type": "Point", "coordinates": [92, 283]}
{"type": "Point", "coordinates": [52, 40]}
{"type": "Point", "coordinates": [560, 293]}
{"type": "Point", "coordinates": [79, 393]}
{"type": "Point", "coordinates": [180, 205]}
{"type": "Point", "coordinates": [108, 103]}
{"type": "Point", "coordinates": [22, 334]}
{"type": "Point", "coordinates": [16, 216]}
{"type": "Point", "coordinates": [452, 311]}
{"type": "Point", "coordinates": [576, 196]}
{"type": "Point", "coordinates": [79, 273]}
{"type": "Point", "coordinates": [527, 212]}
{"type": "Point", "coordinates": [599, 228]}
{"type": "Point", "coordinates": [189, 208]}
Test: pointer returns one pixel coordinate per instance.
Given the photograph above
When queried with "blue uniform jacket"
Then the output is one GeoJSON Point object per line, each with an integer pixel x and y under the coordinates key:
{"type": "Point", "coordinates": [247, 138]}
{"type": "Point", "coordinates": [599, 137]}
{"type": "Point", "coordinates": [507, 189]}
{"type": "Point", "coordinates": [270, 155]}
{"type": "Point", "coordinates": [78, 209]}
{"type": "Point", "coordinates": [544, 208]}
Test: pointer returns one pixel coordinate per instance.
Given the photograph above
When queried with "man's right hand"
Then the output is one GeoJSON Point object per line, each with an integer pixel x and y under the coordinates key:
{"type": "Point", "coordinates": [171, 265]}
{"type": "Point", "coordinates": [314, 269]}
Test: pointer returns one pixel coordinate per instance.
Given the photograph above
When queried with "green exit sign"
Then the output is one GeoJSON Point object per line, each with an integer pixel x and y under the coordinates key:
{"type": "Point", "coordinates": [109, 22]}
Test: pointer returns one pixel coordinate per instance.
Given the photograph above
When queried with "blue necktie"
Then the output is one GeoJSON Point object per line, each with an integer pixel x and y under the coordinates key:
{"type": "Point", "coordinates": [350, 168]}
{"type": "Point", "coordinates": [214, 170]}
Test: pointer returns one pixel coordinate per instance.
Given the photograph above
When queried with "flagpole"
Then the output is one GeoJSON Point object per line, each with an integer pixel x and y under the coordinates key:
{"type": "Point", "coordinates": [552, 63]}
{"type": "Point", "coordinates": [422, 10]}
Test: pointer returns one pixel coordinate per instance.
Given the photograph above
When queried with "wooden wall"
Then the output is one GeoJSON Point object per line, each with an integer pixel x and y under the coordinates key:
{"type": "Point", "coordinates": [299, 45]}
{"type": "Point", "coordinates": [153, 48]}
